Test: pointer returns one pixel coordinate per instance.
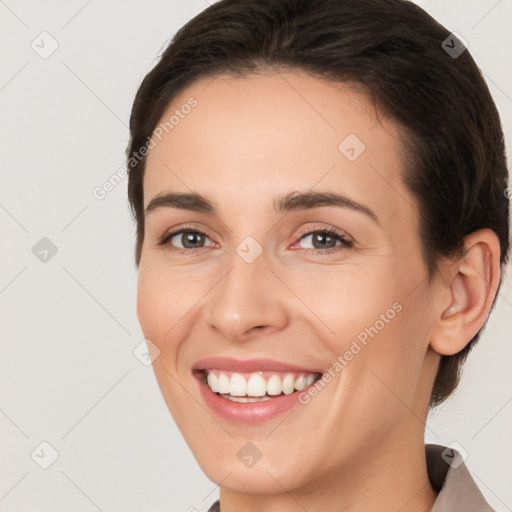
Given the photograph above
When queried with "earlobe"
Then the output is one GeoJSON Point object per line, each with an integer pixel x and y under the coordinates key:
{"type": "Point", "coordinates": [471, 284]}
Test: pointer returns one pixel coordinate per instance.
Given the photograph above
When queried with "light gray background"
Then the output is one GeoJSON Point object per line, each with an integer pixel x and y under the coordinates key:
{"type": "Point", "coordinates": [68, 375]}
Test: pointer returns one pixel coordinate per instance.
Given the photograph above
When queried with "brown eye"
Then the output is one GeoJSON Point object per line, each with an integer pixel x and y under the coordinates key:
{"type": "Point", "coordinates": [324, 240]}
{"type": "Point", "coordinates": [189, 239]}
{"type": "Point", "coordinates": [184, 239]}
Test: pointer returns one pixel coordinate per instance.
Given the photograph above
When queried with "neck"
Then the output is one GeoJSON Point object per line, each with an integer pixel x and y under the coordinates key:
{"type": "Point", "coordinates": [390, 479]}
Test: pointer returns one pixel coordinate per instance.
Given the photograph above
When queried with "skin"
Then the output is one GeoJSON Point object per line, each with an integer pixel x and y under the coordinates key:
{"type": "Point", "coordinates": [360, 441]}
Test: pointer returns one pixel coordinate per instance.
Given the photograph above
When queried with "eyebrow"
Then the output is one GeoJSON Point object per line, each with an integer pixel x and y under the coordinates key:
{"type": "Point", "coordinates": [292, 201]}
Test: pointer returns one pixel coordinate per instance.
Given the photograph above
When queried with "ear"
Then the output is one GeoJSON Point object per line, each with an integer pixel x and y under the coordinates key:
{"type": "Point", "coordinates": [467, 294]}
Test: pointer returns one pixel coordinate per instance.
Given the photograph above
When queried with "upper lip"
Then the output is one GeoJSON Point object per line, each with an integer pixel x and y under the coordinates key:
{"type": "Point", "coordinates": [249, 365]}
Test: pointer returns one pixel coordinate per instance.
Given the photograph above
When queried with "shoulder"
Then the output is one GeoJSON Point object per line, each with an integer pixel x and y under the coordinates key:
{"type": "Point", "coordinates": [449, 476]}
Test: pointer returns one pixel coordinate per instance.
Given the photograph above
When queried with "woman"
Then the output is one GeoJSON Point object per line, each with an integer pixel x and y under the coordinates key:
{"type": "Point", "coordinates": [322, 220]}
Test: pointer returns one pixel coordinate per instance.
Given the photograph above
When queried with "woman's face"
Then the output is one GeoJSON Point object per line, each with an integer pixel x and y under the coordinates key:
{"type": "Point", "coordinates": [258, 295]}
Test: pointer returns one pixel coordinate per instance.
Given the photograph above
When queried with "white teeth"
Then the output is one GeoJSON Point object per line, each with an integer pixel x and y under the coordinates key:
{"type": "Point", "coordinates": [237, 385]}
{"type": "Point", "coordinates": [256, 386]}
{"type": "Point", "coordinates": [213, 382]}
{"type": "Point", "coordinates": [289, 384]}
{"type": "Point", "coordinates": [274, 385]}
{"type": "Point", "coordinates": [309, 380]}
{"type": "Point", "coordinates": [222, 384]}
{"type": "Point", "coordinates": [245, 399]}
{"type": "Point", "coordinates": [300, 382]}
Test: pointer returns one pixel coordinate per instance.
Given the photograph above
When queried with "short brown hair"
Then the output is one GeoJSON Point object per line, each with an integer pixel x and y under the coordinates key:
{"type": "Point", "coordinates": [454, 149]}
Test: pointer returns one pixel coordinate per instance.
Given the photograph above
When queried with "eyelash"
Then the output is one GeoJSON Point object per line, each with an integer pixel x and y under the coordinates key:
{"type": "Point", "coordinates": [345, 242]}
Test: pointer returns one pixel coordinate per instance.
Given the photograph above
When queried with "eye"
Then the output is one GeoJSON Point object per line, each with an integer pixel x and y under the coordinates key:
{"type": "Point", "coordinates": [191, 240]}
{"type": "Point", "coordinates": [324, 241]}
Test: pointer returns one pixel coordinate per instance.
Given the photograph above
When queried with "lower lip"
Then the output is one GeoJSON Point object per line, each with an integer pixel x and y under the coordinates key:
{"type": "Point", "coordinates": [248, 412]}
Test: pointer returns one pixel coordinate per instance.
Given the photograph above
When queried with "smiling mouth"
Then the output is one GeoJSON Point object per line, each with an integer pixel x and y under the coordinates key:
{"type": "Point", "coordinates": [256, 386]}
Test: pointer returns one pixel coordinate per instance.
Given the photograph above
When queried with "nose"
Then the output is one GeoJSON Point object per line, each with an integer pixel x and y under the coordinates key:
{"type": "Point", "coordinates": [249, 300]}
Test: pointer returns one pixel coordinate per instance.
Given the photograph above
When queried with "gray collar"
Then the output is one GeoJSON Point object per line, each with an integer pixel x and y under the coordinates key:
{"type": "Point", "coordinates": [451, 478]}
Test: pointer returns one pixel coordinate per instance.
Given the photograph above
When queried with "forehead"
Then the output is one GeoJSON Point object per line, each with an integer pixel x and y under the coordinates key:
{"type": "Point", "coordinates": [249, 138]}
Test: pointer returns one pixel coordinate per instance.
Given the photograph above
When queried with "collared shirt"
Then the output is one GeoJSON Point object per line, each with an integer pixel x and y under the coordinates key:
{"type": "Point", "coordinates": [450, 478]}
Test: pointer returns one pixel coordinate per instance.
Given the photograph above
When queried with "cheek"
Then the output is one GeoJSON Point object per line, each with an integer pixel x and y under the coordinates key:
{"type": "Point", "coordinates": [164, 301]}
{"type": "Point", "coordinates": [162, 305]}
{"type": "Point", "coordinates": [349, 303]}
{"type": "Point", "coordinates": [392, 360]}
{"type": "Point", "coordinates": [375, 325]}
{"type": "Point", "coordinates": [150, 298]}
